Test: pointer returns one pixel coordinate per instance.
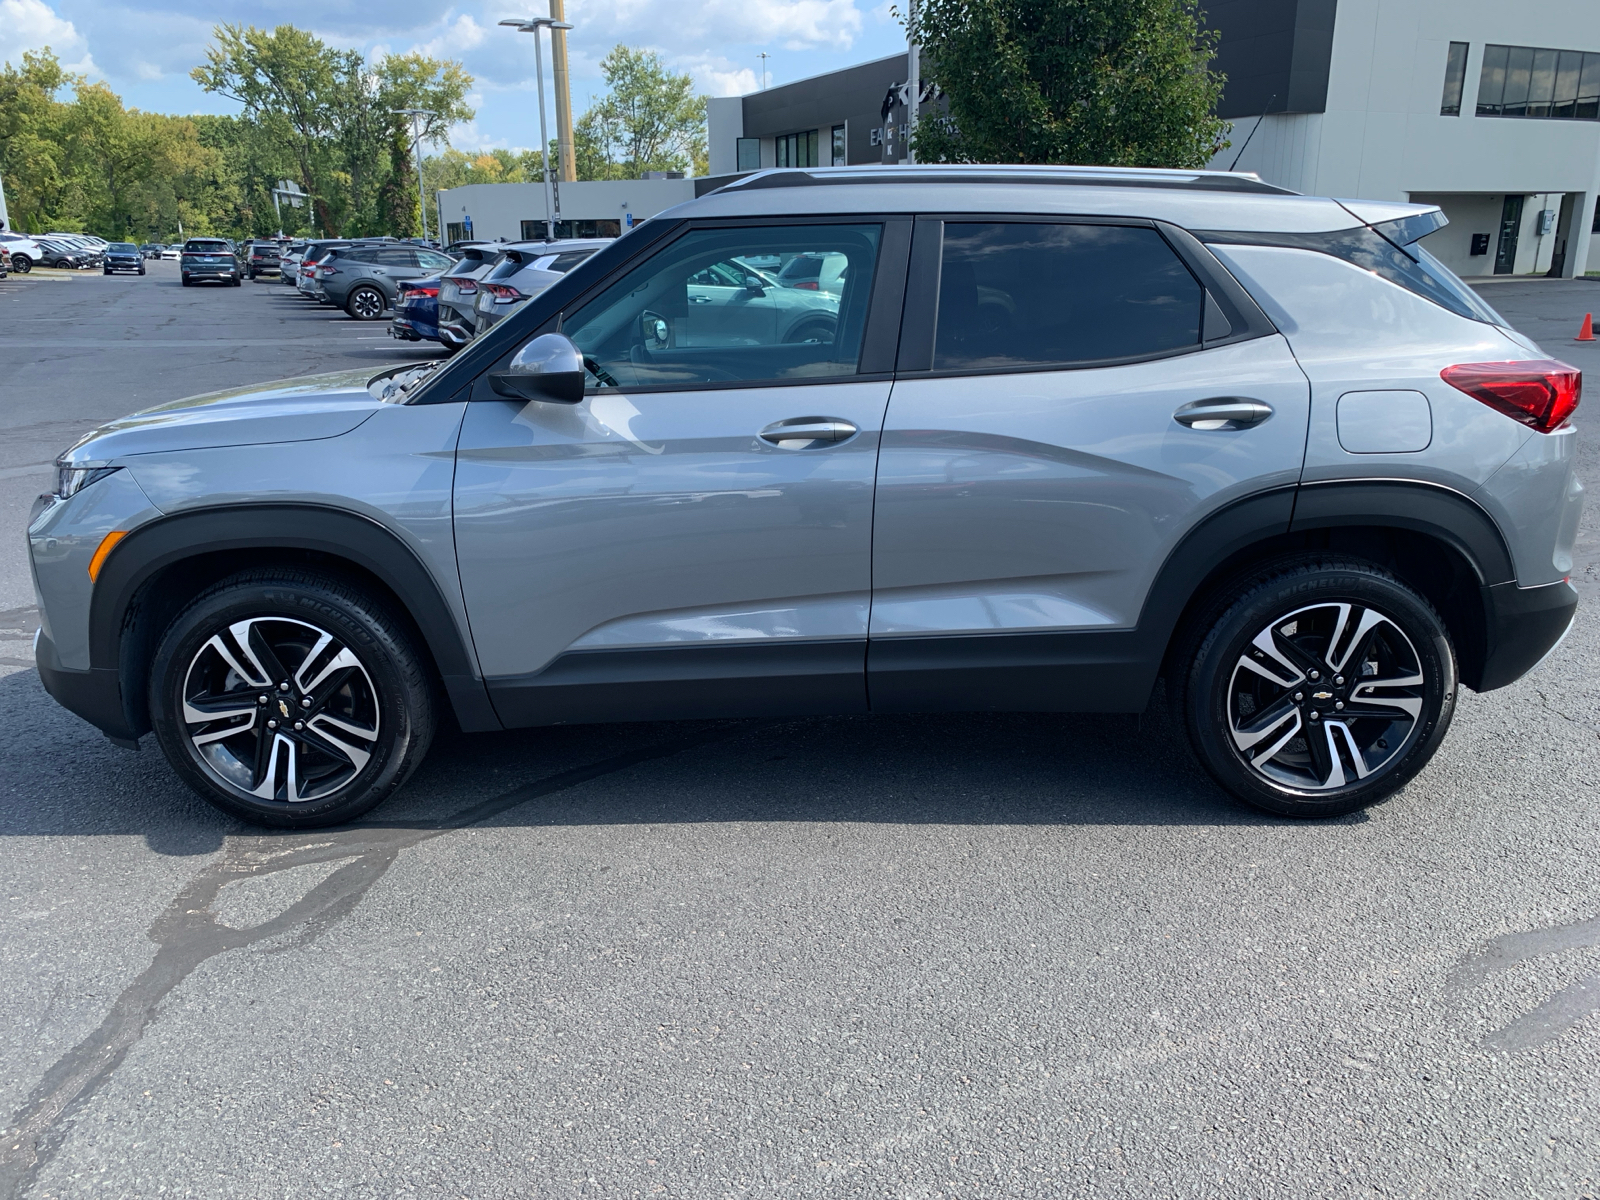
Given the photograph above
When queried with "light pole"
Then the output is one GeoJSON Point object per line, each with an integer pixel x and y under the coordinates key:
{"type": "Point", "coordinates": [913, 78]}
{"type": "Point", "coordinates": [416, 142]}
{"type": "Point", "coordinates": [552, 198]}
{"type": "Point", "coordinates": [763, 56]}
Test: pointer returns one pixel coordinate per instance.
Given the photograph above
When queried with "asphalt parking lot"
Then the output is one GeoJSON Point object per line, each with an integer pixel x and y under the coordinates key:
{"type": "Point", "coordinates": [942, 956]}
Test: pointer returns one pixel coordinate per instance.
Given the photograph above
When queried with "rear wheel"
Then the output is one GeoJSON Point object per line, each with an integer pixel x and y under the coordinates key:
{"type": "Point", "coordinates": [365, 304]}
{"type": "Point", "coordinates": [21, 264]}
{"type": "Point", "coordinates": [1323, 688]}
{"type": "Point", "coordinates": [290, 698]}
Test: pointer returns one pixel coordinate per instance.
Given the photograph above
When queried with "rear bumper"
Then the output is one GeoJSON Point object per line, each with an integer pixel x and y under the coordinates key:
{"type": "Point", "coordinates": [95, 694]}
{"type": "Point", "coordinates": [1523, 625]}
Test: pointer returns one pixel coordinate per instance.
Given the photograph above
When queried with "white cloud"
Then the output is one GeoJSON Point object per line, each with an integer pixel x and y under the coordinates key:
{"type": "Point", "coordinates": [32, 25]}
{"type": "Point", "coordinates": [454, 39]}
{"type": "Point", "coordinates": [716, 76]}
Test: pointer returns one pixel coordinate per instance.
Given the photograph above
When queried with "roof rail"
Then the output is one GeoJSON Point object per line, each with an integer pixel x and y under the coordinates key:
{"type": "Point", "coordinates": [1150, 177]}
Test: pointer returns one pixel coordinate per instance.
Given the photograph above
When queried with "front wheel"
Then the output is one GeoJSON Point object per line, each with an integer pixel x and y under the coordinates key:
{"type": "Point", "coordinates": [290, 698]}
{"type": "Point", "coordinates": [1322, 688]}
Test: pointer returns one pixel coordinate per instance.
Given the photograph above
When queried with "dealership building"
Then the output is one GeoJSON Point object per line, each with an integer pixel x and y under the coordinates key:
{"type": "Point", "coordinates": [1489, 110]}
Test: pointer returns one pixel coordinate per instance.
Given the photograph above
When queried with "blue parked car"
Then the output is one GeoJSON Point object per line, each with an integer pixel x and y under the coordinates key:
{"type": "Point", "coordinates": [416, 312]}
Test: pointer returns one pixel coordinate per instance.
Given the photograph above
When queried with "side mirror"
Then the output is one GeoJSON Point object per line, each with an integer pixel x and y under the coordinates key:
{"type": "Point", "coordinates": [548, 368]}
{"type": "Point", "coordinates": [752, 283]}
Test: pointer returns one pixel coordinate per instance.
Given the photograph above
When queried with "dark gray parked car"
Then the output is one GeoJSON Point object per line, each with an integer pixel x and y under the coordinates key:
{"type": "Point", "coordinates": [1067, 431]}
{"type": "Point", "coordinates": [458, 291]}
{"type": "Point", "coordinates": [363, 280]}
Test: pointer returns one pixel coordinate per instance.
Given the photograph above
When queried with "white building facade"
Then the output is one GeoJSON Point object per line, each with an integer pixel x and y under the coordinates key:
{"type": "Point", "coordinates": [591, 208]}
{"type": "Point", "coordinates": [1489, 110]}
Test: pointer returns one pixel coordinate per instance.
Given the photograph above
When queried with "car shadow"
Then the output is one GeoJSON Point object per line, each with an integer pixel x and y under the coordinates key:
{"type": "Point", "coordinates": [945, 768]}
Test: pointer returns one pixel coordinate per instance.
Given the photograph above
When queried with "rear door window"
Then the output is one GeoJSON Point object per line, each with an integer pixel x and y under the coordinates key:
{"type": "Point", "coordinates": [1035, 294]}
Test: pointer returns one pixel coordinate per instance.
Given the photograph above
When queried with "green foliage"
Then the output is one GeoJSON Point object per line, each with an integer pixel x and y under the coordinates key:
{"type": "Point", "coordinates": [649, 120]}
{"type": "Point", "coordinates": [1095, 82]}
{"type": "Point", "coordinates": [88, 163]}
{"type": "Point", "coordinates": [453, 169]}
{"type": "Point", "coordinates": [331, 114]}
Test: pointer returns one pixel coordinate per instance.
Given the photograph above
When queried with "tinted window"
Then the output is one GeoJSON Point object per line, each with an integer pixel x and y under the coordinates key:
{"type": "Point", "coordinates": [198, 247]}
{"type": "Point", "coordinates": [698, 312]}
{"type": "Point", "coordinates": [396, 257]}
{"type": "Point", "coordinates": [565, 262]}
{"type": "Point", "coordinates": [434, 261]}
{"type": "Point", "coordinates": [1013, 295]}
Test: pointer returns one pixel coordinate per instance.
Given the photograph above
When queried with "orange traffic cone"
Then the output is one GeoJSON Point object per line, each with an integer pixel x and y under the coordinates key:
{"type": "Point", "coordinates": [1586, 334]}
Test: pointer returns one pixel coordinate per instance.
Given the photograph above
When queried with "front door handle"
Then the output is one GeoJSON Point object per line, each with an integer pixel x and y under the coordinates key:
{"type": "Point", "coordinates": [1222, 412]}
{"type": "Point", "coordinates": [800, 433]}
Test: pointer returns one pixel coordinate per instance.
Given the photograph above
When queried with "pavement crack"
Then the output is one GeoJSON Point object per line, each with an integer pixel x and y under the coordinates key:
{"type": "Point", "coordinates": [188, 933]}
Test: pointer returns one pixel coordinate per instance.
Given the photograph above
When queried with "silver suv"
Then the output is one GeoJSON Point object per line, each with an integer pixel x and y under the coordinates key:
{"type": "Point", "coordinates": [1058, 433]}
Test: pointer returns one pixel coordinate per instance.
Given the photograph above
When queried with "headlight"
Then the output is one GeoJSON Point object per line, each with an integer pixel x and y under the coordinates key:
{"type": "Point", "coordinates": [73, 478]}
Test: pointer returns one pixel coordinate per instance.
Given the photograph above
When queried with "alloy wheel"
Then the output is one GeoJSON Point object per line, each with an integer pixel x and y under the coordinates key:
{"type": "Point", "coordinates": [279, 709]}
{"type": "Point", "coordinates": [1325, 696]}
{"type": "Point", "coordinates": [366, 305]}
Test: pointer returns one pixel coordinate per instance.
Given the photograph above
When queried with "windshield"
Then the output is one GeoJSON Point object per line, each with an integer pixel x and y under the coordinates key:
{"type": "Point", "coordinates": [123, 247]}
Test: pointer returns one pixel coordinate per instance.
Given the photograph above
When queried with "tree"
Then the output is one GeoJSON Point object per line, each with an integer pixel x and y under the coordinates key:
{"type": "Point", "coordinates": [649, 120]}
{"type": "Point", "coordinates": [1102, 82]}
{"type": "Point", "coordinates": [332, 111]}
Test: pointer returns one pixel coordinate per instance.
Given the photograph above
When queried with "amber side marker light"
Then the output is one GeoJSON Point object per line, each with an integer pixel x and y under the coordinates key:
{"type": "Point", "coordinates": [103, 551]}
{"type": "Point", "coordinates": [1542, 393]}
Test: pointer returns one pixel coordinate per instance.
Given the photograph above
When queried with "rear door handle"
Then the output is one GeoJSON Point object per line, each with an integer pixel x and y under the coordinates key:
{"type": "Point", "coordinates": [799, 433]}
{"type": "Point", "coordinates": [1222, 412]}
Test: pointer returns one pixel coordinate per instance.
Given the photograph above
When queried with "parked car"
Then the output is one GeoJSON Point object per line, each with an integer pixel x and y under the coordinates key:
{"type": "Point", "coordinates": [63, 256]}
{"type": "Point", "coordinates": [25, 251]}
{"type": "Point", "coordinates": [363, 280]}
{"type": "Point", "coordinates": [522, 272]}
{"type": "Point", "coordinates": [172, 254]}
{"type": "Point", "coordinates": [209, 260]}
{"type": "Point", "coordinates": [123, 256]}
{"type": "Point", "coordinates": [416, 312]}
{"type": "Point", "coordinates": [264, 259]}
{"type": "Point", "coordinates": [814, 272]}
{"type": "Point", "coordinates": [316, 251]}
{"type": "Point", "coordinates": [150, 250]}
{"type": "Point", "coordinates": [5, 261]}
{"type": "Point", "coordinates": [289, 262]}
{"type": "Point", "coordinates": [1143, 423]}
{"type": "Point", "coordinates": [458, 291]}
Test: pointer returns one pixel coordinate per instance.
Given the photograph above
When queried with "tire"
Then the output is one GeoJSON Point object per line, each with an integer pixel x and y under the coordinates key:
{"type": "Point", "coordinates": [186, 281]}
{"type": "Point", "coordinates": [1316, 636]}
{"type": "Point", "coordinates": [141, 270]}
{"type": "Point", "coordinates": [21, 264]}
{"type": "Point", "coordinates": [366, 304]}
{"type": "Point", "coordinates": [812, 329]}
{"type": "Point", "coordinates": [108, 270]}
{"type": "Point", "coordinates": [235, 282]}
{"type": "Point", "coordinates": [366, 727]}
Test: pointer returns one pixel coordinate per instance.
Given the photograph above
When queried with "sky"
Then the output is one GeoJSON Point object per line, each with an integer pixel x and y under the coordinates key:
{"type": "Point", "coordinates": [144, 49]}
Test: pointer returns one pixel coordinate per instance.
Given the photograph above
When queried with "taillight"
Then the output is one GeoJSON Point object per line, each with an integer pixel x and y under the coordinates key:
{"type": "Point", "coordinates": [501, 291]}
{"type": "Point", "coordinates": [425, 291]}
{"type": "Point", "coordinates": [466, 287]}
{"type": "Point", "coordinates": [1542, 393]}
{"type": "Point", "coordinates": [809, 285]}
{"type": "Point", "coordinates": [327, 271]}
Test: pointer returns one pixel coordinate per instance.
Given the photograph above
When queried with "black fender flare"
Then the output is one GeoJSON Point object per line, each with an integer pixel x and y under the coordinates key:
{"type": "Point", "coordinates": [1428, 508]}
{"type": "Point", "coordinates": [337, 533]}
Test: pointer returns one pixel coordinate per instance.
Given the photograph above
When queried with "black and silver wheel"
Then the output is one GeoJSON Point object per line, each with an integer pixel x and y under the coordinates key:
{"type": "Point", "coordinates": [21, 264]}
{"type": "Point", "coordinates": [290, 699]}
{"type": "Point", "coordinates": [1322, 689]}
{"type": "Point", "coordinates": [365, 304]}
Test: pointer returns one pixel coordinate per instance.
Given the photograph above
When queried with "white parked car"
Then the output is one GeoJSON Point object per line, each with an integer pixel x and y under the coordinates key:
{"type": "Point", "coordinates": [24, 251]}
{"type": "Point", "coordinates": [172, 253]}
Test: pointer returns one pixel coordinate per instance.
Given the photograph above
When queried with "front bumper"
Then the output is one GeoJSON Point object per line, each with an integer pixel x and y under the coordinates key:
{"type": "Point", "coordinates": [95, 694]}
{"type": "Point", "coordinates": [1522, 626]}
